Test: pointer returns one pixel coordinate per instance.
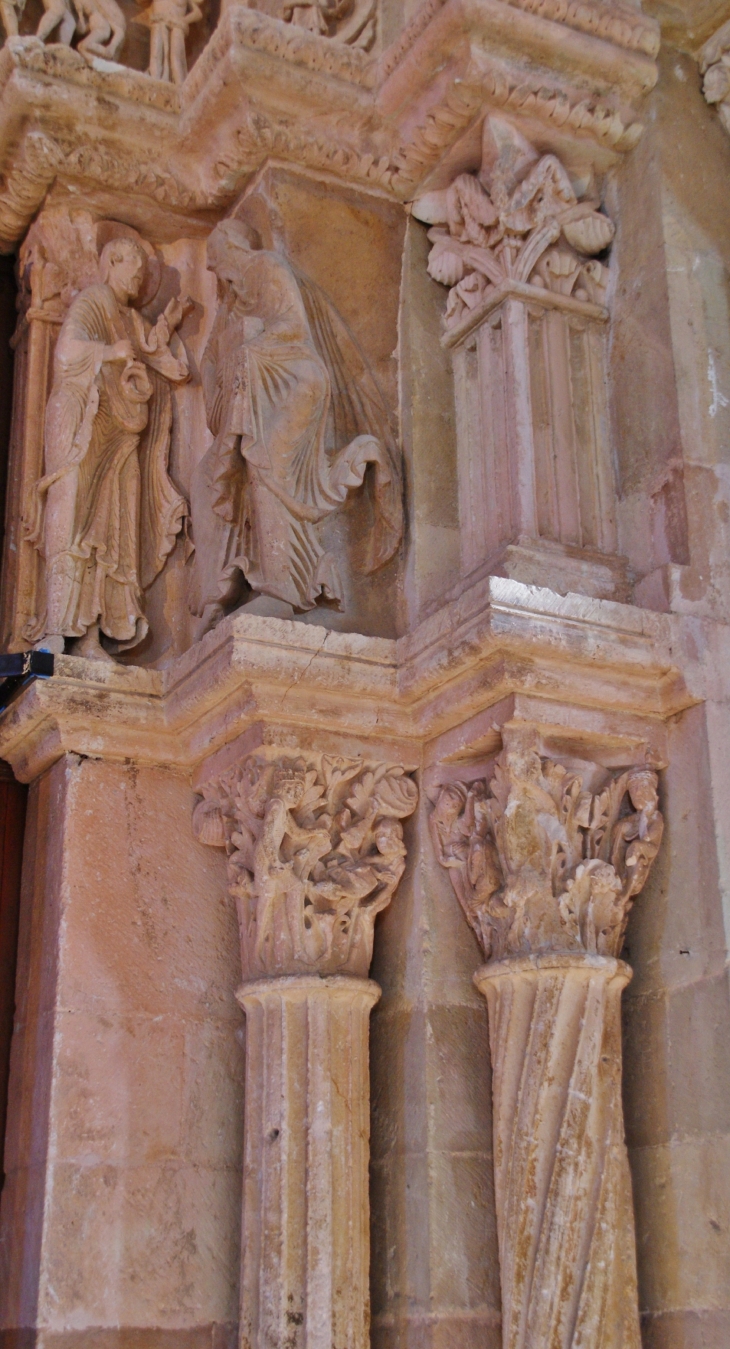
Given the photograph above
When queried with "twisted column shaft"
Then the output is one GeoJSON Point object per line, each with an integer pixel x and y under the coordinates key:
{"type": "Point", "coordinates": [563, 1189]}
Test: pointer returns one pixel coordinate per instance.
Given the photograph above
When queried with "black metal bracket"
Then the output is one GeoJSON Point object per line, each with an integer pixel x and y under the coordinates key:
{"type": "Point", "coordinates": [19, 669]}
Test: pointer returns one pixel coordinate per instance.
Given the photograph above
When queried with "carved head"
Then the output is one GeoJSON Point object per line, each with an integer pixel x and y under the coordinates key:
{"type": "Point", "coordinates": [123, 265]}
{"type": "Point", "coordinates": [643, 790]}
{"type": "Point", "coordinates": [289, 784]}
{"type": "Point", "coordinates": [231, 241]}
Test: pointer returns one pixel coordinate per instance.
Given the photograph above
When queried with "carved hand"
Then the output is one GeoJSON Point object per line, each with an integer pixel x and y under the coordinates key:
{"type": "Point", "coordinates": [120, 351]}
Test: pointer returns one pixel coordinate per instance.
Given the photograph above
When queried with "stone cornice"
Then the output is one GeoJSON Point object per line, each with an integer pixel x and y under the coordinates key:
{"type": "Point", "coordinates": [357, 694]}
{"type": "Point", "coordinates": [265, 89]}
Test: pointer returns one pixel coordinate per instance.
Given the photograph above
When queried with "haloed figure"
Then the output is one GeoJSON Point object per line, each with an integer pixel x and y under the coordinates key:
{"type": "Point", "coordinates": [106, 511]}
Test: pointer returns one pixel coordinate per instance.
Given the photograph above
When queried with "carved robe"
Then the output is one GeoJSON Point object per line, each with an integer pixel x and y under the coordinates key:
{"type": "Point", "coordinates": [268, 476]}
{"type": "Point", "coordinates": [106, 512]}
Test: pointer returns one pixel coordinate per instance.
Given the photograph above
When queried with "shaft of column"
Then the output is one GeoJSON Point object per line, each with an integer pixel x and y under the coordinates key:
{"type": "Point", "coordinates": [306, 1230]}
{"type": "Point", "coordinates": [562, 1184]}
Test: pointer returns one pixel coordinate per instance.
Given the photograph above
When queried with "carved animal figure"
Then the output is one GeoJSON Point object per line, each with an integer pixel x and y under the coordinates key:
{"type": "Point", "coordinates": [274, 404]}
{"type": "Point", "coordinates": [106, 513]}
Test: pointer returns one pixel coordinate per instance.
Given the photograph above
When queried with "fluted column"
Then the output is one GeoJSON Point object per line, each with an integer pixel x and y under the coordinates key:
{"type": "Point", "coordinates": [315, 850]}
{"type": "Point", "coordinates": [545, 859]}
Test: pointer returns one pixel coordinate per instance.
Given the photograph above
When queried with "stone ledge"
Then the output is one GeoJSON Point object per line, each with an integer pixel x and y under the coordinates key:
{"type": "Point", "coordinates": [306, 684]}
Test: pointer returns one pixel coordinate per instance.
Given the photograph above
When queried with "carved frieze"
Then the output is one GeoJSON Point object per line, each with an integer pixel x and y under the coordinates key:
{"type": "Point", "coordinates": [542, 862]}
{"type": "Point", "coordinates": [315, 852]}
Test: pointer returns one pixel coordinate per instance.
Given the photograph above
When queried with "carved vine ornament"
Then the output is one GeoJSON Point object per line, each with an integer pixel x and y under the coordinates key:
{"type": "Point", "coordinates": [540, 861]}
{"type": "Point", "coordinates": [315, 852]}
{"type": "Point", "coordinates": [519, 219]}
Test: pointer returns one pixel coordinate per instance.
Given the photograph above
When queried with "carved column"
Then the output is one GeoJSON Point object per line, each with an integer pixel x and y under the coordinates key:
{"type": "Point", "coordinates": [545, 859]}
{"type": "Point", "coordinates": [315, 850]}
{"type": "Point", "coordinates": [525, 322]}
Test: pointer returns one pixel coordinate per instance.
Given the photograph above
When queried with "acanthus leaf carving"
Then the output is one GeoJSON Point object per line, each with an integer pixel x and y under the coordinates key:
{"type": "Point", "coordinates": [315, 852]}
{"type": "Point", "coordinates": [540, 862]}
{"type": "Point", "coordinates": [519, 219]}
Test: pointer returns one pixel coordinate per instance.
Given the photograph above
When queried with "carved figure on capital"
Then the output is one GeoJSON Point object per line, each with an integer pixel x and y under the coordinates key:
{"type": "Point", "coordinates": [519, 218]}
{"type": "Point", "coordinates": [297, 419]}
{"type": "Point", "coordinates": [105, 514]}
{"type": "Point", "coordinates": [169, 22]}
{"type": "Point", "coordinates": [101, 25]}
{"type": "Point", "coordinates": [315, 852]}
{"type": "Point", "coordinates": [539, 862]}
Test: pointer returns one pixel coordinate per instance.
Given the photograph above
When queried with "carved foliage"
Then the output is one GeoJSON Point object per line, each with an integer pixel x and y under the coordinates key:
{"type": "Point", "coordinates": [715, 67]}
{"type": "Point", "coordinates": [518, 219]}
{"type": "Point", "coordinates": [541, 863]}
{"type": "Point", "coordinates": [315, 851]}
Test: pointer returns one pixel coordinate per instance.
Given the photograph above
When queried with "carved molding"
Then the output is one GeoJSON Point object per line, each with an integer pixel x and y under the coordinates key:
{"type": "Point", "coordinates": [542, 858]}
{"type": "Point", "coordinates": [384, 123]}
{"type": "Point", "coordinates": [315, 852]}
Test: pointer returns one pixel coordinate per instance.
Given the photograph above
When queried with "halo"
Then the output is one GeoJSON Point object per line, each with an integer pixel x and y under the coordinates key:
{"type": "Point", "coordinates": [107, 230]}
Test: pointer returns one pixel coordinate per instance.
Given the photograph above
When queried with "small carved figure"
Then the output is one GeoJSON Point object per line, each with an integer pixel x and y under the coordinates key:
{"type": "Point", "coordinates": [11, 12]}
{"type": "Point", "coordinates": [274, 405]}
{"type": "Point", "coordinates": [106, 513]}
{"type": "Point", "coordinates": [58, 15]}
{"type": "Point", "coordinates": [504, 224]}
{"type": "Point", "coordinates": [104, 25]}
{"type": "Point", "coordinates": [169, 22]}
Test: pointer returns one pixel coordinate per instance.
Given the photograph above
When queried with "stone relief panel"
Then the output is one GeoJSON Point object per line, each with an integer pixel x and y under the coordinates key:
{"type": "Point", "coordinates": [266, 414]}
{"type": "Point", "coordinates": [293, 430]}
{"type": "Point", "coordinates": [545, 861]}
{"type": "Point", "coordinates": [525, 320]}
{"type": "Point", "coordinates": [315, 852]}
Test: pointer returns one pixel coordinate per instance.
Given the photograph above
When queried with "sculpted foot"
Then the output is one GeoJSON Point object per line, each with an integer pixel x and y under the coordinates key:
{"type": "Point", "coordinates": [89, 646]}
{"type": "Point", "coordinates": [53, 642]}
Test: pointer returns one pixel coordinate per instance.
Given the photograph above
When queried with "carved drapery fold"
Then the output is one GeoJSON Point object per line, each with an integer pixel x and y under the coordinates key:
{"type": "Point", "coordinates": [545, 860]}
{"type": "Point", "coordinates": [315, 852]}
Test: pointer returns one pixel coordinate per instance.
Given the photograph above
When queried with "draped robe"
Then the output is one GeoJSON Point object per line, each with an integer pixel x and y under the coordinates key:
{"type": "Point", "coordinates": [106, 512]}
{"type": "Point", "coordinates": [267, 479]}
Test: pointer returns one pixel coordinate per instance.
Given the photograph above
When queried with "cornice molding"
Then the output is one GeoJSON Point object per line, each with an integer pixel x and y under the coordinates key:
{"type": "Point", "coordinates": [500, 640]}
{"type": "Point", "coordinates": [263, 88]}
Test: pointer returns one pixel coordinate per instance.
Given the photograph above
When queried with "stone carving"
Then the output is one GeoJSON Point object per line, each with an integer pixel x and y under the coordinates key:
{"type": "Point", "coordinates": [714, 61]}
{"type": "Point", "coordinates": [169, 22]}
{"type": "Point", "coordinates": [351, 21]}
{"type": "Point", "coordinates": [539, 863]}
{"type": "Point", "coordinates": [106, 514]}
{"type": "Point", "coordinates": [297, 418]}
{"type": "Point", "coordinates": [101, 23]}
{"type": "Point", "coordinates": [545, 861]}
{"type": "Point", "coordinates": [315, 852]}
{"type": "Point", "coordinates": [518, 219]}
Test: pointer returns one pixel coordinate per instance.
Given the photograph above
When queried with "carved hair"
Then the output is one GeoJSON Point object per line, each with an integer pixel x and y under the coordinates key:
{"type": "Point", "coordinates": [114, 251]}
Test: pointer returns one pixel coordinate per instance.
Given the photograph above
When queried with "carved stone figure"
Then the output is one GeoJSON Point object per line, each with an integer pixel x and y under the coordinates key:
{"type": "Point", "coordinates": [104, 25]}
{"type": "Point", "coordinates": [518, 219]}
{"type": "Point", "coordinates": [315, 852]}
{"type": "Point", "coordinates": [714, 60]}
{"type": "Point", "coordinates": [169, 23]}
{"type": "Point", "coordinates": [351, 21]}
{"type": "Point", "coordinates": [58, 17]}
{"type": "Point", "coordinates": [106, 512]}
{"type": "Point", "coordinates": [545, 868]}
{"type": "Point", "coordinates": [11, 12]}
{"type": "Point", "coordinates": [294, 433]}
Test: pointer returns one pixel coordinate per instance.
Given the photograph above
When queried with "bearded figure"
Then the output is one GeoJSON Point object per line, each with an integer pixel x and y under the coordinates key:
{"type": "Point", "coordinates": [295, 428]}
{"type": "Point", "coordinates": [106, 512]}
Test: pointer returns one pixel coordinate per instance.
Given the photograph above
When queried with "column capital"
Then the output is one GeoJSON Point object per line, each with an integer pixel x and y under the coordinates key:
{"type": "Point", "coordinates": [315, 852]}
{"type": "Point", "coordinates": [545, 855]}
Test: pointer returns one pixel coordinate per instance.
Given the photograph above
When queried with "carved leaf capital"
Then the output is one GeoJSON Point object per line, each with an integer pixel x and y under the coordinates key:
{"type": "Point", "coordinates": [548, 857]}
{"type": "Point", "coordinates": [315, 852]}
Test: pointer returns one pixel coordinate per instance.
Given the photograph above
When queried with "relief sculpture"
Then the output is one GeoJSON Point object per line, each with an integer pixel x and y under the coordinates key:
{"type": "Point", "coordinates": [295, 428]}
{"type": "Point", "coordinates": [105, 514]}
